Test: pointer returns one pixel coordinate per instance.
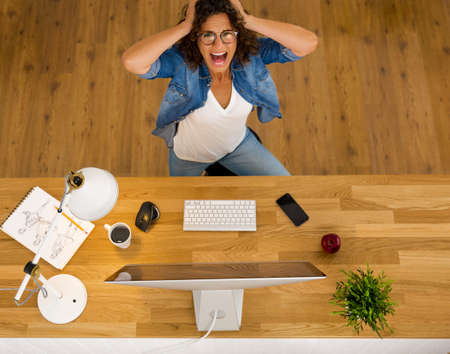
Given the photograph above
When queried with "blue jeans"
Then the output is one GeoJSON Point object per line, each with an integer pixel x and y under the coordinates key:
{"type": "Point", "coordinates": [250, 158]}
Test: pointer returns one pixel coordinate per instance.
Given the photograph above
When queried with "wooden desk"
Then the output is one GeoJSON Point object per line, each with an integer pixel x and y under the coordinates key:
{"type": "Point", "coordinates": [399, 224]}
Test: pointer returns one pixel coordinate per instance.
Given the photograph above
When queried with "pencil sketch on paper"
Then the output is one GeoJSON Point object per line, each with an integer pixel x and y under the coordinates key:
{"type": "Point", "coordinates": [30, 221]}
{"type": "Point", "coordinates": [37, 222]}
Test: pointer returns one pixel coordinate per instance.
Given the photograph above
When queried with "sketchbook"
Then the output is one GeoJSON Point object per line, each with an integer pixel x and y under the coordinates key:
{"type": "Point", "coordinates": [30, 220]}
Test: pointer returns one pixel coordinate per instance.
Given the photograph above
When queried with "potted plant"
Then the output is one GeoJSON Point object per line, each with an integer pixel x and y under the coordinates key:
{"type": "Point", "coordinates": [365, 300]}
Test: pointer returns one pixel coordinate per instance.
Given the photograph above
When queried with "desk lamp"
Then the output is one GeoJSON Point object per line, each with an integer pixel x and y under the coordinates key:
{"type": "Point", "coordinates": [90, 194]}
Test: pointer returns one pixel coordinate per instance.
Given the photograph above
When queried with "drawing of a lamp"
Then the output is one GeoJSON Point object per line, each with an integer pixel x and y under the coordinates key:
{"type": "Point", "coordinates": [90, 194]}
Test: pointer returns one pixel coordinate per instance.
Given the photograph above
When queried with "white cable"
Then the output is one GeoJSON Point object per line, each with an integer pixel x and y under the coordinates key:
{"type": "Point", "coordinates": [14, 289]}
{"type": "Point", "coordinates": [173, 347]}
{"type": "Point", "coordinates": [212, 325]}
{"type": "Point", "coordinates": [32, 291]}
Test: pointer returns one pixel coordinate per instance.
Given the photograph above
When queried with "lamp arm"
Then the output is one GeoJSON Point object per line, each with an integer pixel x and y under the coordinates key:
{"type": "Point", "coordinates": [48, 237]}
{"type": "Point", "coordinates": [22, 287]}
{"type": "Point", "coordinates": [51, 229]}
{"type": "Point", "coordinates": [65, 195]}
{"type": "Point", "coordinates": [47, 285]}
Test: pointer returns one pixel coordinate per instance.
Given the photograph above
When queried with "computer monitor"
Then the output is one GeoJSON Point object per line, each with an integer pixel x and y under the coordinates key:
{"type": "Point", "coordinates": [216, 286]}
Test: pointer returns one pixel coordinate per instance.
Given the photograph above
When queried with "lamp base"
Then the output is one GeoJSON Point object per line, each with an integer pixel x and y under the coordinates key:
{"type": "Point", "coordinates": [67, 308]}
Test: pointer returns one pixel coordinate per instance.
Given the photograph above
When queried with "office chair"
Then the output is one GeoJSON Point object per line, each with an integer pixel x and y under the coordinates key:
{"type": "Point", "coordinates": [216, 169]}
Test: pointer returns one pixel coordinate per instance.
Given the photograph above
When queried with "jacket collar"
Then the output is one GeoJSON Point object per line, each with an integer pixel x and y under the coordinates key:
{"type": "Point", "coordinates": [203, 72]}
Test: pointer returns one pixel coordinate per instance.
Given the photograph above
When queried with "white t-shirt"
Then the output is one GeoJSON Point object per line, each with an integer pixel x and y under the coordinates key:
{"type": "Point", "coordinates": [210, 132]}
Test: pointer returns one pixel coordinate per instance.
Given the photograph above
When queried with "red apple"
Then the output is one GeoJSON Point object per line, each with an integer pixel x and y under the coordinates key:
{"type": "Point", "coordinates": [331, 243]}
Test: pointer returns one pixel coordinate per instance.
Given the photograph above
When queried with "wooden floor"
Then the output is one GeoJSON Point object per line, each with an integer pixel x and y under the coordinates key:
{"type": "Point", "coordinates": [372, 99]}
{"type": "Point", "coordinates": [396, 224]}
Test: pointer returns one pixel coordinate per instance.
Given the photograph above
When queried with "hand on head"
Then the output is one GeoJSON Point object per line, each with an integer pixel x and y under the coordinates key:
{"type": "Point", "coordinates": [190, 13]}
{"type": "Point", "coordinates": [238, 6]}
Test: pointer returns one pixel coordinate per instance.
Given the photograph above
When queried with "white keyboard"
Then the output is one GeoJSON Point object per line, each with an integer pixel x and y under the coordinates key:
{"type": "Point", "coordinates": [219, 215]}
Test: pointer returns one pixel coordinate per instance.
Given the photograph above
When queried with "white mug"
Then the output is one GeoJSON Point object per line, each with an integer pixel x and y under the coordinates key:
{"type": "Point", "coordinates": [117, 236]}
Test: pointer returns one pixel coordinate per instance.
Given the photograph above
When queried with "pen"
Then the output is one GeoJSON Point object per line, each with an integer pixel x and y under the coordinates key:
{"type": "Point", "coordinates": [73, 222]}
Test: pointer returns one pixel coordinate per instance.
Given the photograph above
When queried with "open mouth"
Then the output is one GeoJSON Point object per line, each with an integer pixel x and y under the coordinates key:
{"type": "Point", "coordinates": [219, 58]}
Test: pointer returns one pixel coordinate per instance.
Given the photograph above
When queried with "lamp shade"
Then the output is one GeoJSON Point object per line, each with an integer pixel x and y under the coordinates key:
{"type": "Point", "coordinates": [96, 196]}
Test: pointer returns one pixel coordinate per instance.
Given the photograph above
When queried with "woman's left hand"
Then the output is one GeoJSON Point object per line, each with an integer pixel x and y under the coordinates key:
{"type": "Point", "coordinates": [238, 6]}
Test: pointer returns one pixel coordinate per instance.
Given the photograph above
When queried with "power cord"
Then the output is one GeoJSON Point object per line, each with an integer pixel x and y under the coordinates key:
{"type": "Point", "coordinates": [213, 323]}
{"type": "Point", "coordinates": [173, 347]}
{"type": "Point", "coordinates": [32, 291]}
{"type": "Point", "coordinates": [162, 350]}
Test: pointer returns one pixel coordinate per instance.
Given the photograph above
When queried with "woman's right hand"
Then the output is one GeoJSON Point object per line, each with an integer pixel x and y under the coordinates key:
{"type": "Point", "coordinates": [190, 14]}
{"type": "Point", "coordinates": [140, 56]}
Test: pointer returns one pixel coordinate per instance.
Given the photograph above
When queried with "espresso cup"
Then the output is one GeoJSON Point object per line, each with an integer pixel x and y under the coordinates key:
{"type": "Point", "coordinates": [119, 234]}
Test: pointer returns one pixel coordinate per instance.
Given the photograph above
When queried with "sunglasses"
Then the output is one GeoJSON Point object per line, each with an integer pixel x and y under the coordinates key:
{"type": "Point", "coordinates": [209, 38]}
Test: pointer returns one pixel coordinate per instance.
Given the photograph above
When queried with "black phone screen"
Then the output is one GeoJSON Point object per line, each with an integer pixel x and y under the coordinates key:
{"type": "Point", "coordinates": [292, 209]}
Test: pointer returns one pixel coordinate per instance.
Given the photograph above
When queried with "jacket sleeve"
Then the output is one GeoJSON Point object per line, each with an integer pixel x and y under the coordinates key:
{"type": "Point", "coordinates": [165, 66]}
{"type": "Point", "coordinates": [273, 52]}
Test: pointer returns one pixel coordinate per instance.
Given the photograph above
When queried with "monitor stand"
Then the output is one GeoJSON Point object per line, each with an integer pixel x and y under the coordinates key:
{"type": "Point", "coordinates": [227, 302]}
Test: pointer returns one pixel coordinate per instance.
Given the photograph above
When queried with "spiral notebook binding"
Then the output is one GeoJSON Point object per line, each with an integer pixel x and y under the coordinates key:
{"type": "Point", "coordinates": [18, 205]}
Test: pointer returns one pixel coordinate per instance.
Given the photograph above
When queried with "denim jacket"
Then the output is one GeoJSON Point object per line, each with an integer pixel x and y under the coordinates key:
{"type": "Point", "coordinates": [188, 89]}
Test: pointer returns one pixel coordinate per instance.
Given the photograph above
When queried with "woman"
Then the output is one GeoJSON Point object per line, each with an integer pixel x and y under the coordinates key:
{"type": "Point", "coordinates": [217, 67]}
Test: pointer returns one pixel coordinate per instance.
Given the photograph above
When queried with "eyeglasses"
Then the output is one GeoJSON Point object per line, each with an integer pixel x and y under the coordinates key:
{"type": "Point", "coordinates": [209, 38]}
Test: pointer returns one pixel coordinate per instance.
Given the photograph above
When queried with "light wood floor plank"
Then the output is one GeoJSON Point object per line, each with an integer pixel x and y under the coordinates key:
{"type": "Point", "coordinates": [372, 99]}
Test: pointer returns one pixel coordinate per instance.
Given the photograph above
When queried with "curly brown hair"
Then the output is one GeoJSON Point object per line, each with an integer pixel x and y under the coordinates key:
{"type": "Point", "coordinates": [247, 41]}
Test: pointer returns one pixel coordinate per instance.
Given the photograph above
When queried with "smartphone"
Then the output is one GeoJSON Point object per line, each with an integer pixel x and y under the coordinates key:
{"type": "Point", "coordinates": [292, 209]}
